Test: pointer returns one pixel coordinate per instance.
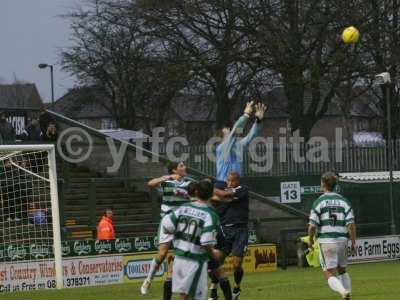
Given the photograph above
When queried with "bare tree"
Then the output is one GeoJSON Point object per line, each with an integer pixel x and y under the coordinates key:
{"type": "Point", "coordinates": [300, 41]}
{"type": "Point", "coordinates": [111, 49]}
{"type": "Point", "coordinates": [207, 36]}
{"type": "Point", "coordinates": [380, 30]}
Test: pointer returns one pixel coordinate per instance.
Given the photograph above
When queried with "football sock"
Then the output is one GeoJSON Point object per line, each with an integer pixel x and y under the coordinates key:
{"type": "Point", "coordinates": [238, 275]}
{"type": "Point", "coordinates": [214, 293]}
{"type": "Point", "coordinates": [168, 289]}
{"type": "Point", "coordinates": [213, 277]}
{"type": "Point", "coordinates": [335, 284]}
{"type": "Point", "coordinates": [345, 280]}
{"type": "Point", "coordinates": [154, 265]}
{"type": "Point", "coordinates": [226, 288]}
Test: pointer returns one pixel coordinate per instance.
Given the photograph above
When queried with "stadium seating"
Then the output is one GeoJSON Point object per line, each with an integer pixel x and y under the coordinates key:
{"type": "Point", "coordinates": [129, 206]}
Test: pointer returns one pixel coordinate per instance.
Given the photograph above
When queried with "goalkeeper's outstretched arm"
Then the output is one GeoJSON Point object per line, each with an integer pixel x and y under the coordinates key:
{"type": "Point", "coordinates": [228, 141]}
{"type": "Point", "coordinates": [256, 128]}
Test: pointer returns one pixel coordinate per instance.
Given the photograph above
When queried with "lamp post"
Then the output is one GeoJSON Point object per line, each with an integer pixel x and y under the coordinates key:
{"type": "Point", "coordinates": [383, 79]}
{"type": "Point", "coordinates": [44, 66]}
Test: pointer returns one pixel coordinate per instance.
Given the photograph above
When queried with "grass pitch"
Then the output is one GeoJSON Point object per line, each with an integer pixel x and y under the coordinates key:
{"type": "Point", "coordinates": [370, 282]}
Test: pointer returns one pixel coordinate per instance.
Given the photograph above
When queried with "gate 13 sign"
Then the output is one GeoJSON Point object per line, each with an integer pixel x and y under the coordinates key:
{"type": "Point", "coordinates": [290, 192]}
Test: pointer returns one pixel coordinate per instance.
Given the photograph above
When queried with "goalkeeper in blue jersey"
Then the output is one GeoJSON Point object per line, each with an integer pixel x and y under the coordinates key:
{"type": "Point", "coordinates": [229, 153]}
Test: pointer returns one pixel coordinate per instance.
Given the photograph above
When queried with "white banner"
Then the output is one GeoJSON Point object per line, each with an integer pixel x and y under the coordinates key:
{"type": "Point", "coordinates": [77, 272]}
{"type": "Point", "coordinates": [376, 249]}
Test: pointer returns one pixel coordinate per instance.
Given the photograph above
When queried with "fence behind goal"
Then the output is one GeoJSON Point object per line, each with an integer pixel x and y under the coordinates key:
{"type": "Point", "coordinates": [29, 213]}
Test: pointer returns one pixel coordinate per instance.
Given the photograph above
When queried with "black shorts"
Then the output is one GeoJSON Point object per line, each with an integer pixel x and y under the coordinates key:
{"type": "Point", "coordinates": [235, 240]}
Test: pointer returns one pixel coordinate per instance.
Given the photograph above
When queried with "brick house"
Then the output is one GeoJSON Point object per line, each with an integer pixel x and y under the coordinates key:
{"type": "Point", "coordinates": [193, 116]}
{"type": "Point", "coordinates": [188, 116]}
{"type": "Point", "coordinates": [21, 102]}
{"type": "Point", "coordinates": [88, 106]}
{"type": "Point", "coordinates": [362, 116]}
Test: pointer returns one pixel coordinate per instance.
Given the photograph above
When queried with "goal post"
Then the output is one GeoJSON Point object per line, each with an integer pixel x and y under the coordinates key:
{"type": "Point", "coordinates": [29, 215]}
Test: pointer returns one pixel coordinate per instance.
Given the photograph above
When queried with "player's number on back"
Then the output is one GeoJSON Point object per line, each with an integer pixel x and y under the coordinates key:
{"type": "Point", "coordinates": [332, 216]}
{"type": "Point", "coordinates": [189, 227]}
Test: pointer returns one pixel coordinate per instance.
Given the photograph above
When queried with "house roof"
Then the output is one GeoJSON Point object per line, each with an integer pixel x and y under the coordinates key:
{"type": "Point", "coordinates": [83, 103]}
{"type": "Point", "coordinates": [90, 102]}
{"type": "Point", "coordinates": [368, 177]}
{"type": "Point", "coordinates": [19, 96]}
{"type": "Point", "coordinates": [194, 108]}
{"type": "Point", "coordinates": [276, 101]}
{"type": "Point", "coordinates": [365, 107]}
{"type": "Point", "coordinates": [278, 104]}
{"type": "Point", "coordinates": [361, 106]}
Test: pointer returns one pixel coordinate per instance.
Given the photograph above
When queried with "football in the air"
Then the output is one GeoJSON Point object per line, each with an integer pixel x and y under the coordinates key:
{"type": "Point", "coordinates": [350, 35]}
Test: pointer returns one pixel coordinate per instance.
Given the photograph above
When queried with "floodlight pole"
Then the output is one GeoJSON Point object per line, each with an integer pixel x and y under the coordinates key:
{"type": "Point", "coordinates": [390, 158]}
{"type": "Point", "coordinates": [43, 66]}
{"type": "Point", "coordinates": [384, 80]}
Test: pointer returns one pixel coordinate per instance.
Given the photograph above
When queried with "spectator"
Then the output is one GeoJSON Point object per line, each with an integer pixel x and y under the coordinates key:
{"type": "Point", "coordinates": [105, 229]}
{"type": "Point", "coordinates": [7, 131]}
{"type": "Point", "coordinates": [51, 134]}
{"type": "Point", "coordinates": [23, 136]}
{"type": "Point", "coordinates": [36, 215]}
{"type": "Point", "coordinates": [34, 132]}
{"type": "Point", "coordinates": [45, 119]}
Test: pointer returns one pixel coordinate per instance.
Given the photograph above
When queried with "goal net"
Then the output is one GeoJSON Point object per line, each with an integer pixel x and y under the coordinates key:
{"type": "Point", "coordinates": [30, 243]}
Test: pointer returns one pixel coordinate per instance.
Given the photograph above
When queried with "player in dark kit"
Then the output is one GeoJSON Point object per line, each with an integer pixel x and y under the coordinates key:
{"type": "Point", "coordinates": [234, 217]}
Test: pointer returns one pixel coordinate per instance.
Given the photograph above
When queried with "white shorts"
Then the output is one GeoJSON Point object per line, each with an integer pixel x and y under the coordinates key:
{"type": "Point", "coordinates": [162, 236]}
{"type": "Point", "coordinates": [333, 255]}
{"type": "Point", "coordinates": [189, 277]}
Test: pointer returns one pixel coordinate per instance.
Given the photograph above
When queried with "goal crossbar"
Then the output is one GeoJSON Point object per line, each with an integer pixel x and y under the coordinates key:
{"type": "Point", "coordinates": [34, 147]}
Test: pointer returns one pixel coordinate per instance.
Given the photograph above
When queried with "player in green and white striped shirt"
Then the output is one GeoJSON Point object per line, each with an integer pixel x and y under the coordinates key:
{"type": "Point", "coordinates": [174, 192]}
{"type": "Point", "coordinates": [194, 226]}
{"type": "Point", "coordinates": [332, 222]}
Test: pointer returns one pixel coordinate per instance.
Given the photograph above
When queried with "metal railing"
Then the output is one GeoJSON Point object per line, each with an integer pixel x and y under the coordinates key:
{"type": "Point", "coordinates": [348, 157]}
{"type": "Point", "coordinates": [126, 172]}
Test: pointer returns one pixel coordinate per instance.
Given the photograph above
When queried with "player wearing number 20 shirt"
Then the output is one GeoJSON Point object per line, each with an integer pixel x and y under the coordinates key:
{"type": "Point", "coordinates": [194, 226]}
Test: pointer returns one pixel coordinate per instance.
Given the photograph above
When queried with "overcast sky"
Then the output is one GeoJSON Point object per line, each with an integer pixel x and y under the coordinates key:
{"type": "Point", "coordinates": [32, 32]}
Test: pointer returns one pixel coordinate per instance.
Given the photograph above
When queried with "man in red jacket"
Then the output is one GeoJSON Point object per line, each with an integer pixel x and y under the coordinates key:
{"type": "Point", "coordinates": [105, 229]}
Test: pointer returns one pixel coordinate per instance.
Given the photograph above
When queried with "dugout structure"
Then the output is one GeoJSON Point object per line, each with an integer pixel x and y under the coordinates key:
{"type": "Point", "coordinates": [369, 195]}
